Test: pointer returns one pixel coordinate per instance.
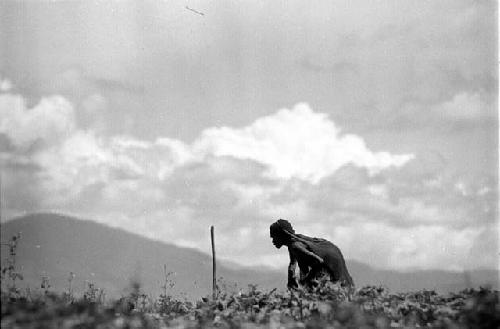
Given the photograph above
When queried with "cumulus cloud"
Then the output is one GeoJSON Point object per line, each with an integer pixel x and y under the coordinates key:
{"type": "Point", "coordinates": [296, 143]}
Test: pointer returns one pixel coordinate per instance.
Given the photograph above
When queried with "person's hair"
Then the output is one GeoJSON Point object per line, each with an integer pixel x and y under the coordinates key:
{"type": "Point", "coordinates": [281, 225]}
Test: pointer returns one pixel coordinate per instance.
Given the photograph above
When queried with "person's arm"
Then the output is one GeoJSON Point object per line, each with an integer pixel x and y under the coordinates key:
{"type": "Point", "coordinates": [312, 258]}
{"type": "Point", "coordinates": [314, 262]}
{"type": "Point", "coordinates": [303, 246]}
{"type": "Point", "coordinates": [292, 281]}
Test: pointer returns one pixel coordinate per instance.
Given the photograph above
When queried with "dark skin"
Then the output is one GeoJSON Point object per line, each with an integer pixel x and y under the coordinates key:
{"type": "Point", "coordinates": [309, 263]}
{"type": "Point", "coordinates": [314, 256]}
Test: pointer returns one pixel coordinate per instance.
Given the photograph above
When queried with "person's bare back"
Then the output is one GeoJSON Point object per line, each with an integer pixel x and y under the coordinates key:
{"type": "Point", "coordinates": [312, 255]}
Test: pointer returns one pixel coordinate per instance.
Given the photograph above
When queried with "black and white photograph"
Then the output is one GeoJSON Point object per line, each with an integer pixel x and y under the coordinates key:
{"type": "Point", "coordinates": [249, 164]}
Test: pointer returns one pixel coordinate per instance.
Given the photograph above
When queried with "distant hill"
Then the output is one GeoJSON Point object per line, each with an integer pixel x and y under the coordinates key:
{"type": "Point", "coordinates": [112, 258]}
{"type": "Point", "coordinates": [55, 245]}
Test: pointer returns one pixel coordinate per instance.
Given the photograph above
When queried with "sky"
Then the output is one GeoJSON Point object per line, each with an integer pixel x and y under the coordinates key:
{"type": "Point", "coordinates": [371, 124]}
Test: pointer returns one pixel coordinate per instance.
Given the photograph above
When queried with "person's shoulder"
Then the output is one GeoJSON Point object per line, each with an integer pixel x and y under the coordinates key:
{"type": "Point", "coordinates": [312, 239]}
{"type": "Point", "coordinates": [298, 245]}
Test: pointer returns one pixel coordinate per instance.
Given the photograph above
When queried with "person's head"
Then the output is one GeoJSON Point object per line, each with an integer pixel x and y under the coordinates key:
{"type": "Point", "coordinates": [278, 234]}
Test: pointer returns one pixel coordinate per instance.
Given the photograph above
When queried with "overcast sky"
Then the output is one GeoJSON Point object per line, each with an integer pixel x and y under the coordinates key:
{"type": "Point", "coordinates": [372, 124]}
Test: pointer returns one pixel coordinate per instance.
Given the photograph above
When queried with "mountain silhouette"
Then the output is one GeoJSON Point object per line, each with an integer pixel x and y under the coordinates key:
{"type": "Point", "coordinates": [55, 245]}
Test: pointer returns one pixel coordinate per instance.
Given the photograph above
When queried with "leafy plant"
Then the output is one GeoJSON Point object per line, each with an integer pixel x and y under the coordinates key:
{"type": "Point", "coordinates": [324, 305]}
{"type": "Point", "coordinates": [10, 270]}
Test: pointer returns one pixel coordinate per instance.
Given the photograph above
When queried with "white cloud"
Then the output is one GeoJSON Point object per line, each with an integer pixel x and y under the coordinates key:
{"type": "Point", "coordinates": [51, 120]}
{"type": "Point", "coordinates": [80, 160]}
{"type": "Point", "coordinates": [296, 143]}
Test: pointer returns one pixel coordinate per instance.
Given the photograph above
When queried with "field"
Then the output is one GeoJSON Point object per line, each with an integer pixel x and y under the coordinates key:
{"type": "Point", "coordinates": [326, 305]}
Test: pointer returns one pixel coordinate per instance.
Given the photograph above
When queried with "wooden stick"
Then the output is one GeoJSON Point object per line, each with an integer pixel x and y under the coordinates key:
{"type": "Point", "coordinates": [214, 269]}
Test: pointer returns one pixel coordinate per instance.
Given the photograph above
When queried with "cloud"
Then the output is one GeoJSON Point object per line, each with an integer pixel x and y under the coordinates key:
{"type": "Point", "coordinates": [398, 211]}
{"type": "Point", "coordinates": [426, 246]}
{"type": "Point", "coordinates": [351, 197]}
{"type": "Point", "coordinates": [297, 143]}
{"type": "Point", "coordinates": [5, 85]}
{"type": "Point", "coordinates": [465, 107]}
{"type": "Point", "coordinates": [52, 119]}
{"type": "Point", "coordinates": [399, 186]}
{"type": "Point", "coordinates": [408, 59]}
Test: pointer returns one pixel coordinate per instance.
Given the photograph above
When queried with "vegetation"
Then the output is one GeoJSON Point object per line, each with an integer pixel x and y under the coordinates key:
{"type": "Point", "coordinates": [325, 305]}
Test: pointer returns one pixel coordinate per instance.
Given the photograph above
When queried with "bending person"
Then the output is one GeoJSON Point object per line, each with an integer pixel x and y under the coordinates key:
{"type": "Point", "coordinates": [313, 256]}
